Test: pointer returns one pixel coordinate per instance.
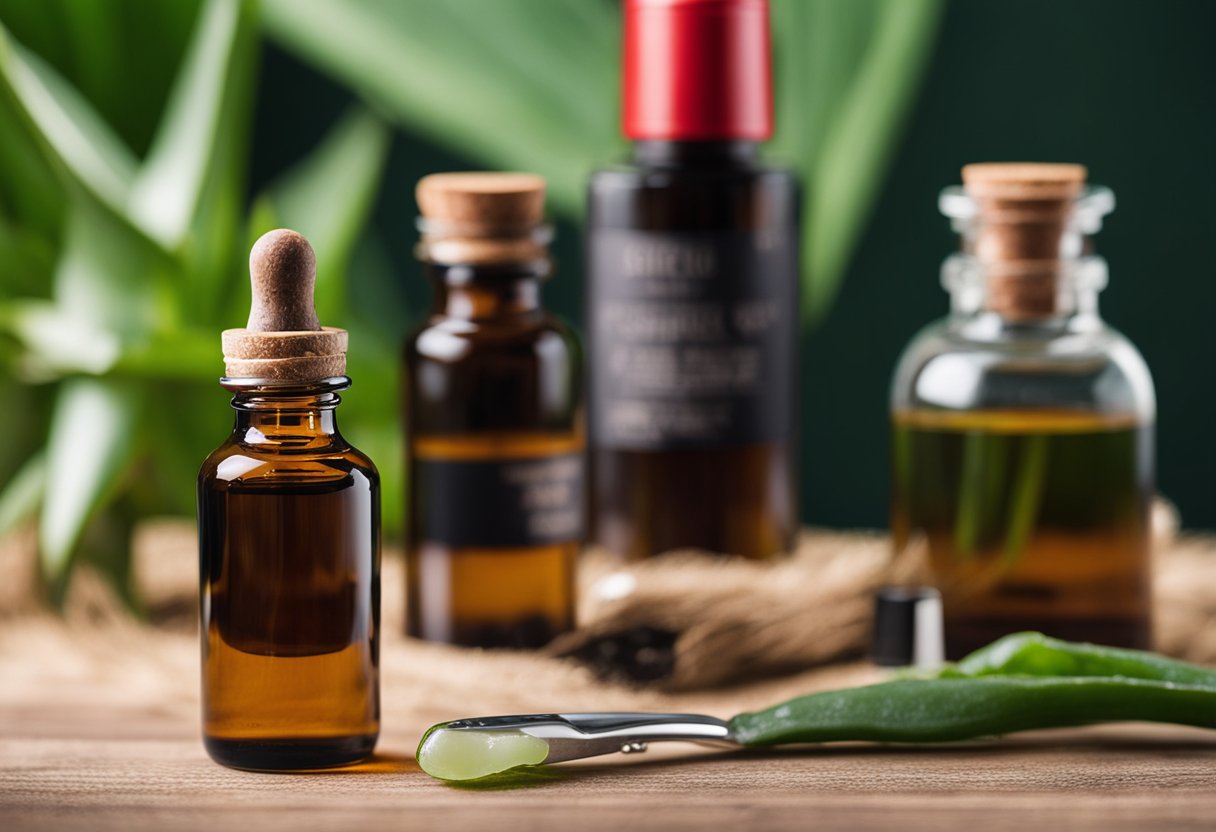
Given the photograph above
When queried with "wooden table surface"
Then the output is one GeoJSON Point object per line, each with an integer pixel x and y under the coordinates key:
{"type": "Point", "coordinates": [104, 769]}
{"type": "Point", "coordinates": [99, 731]}
{"type": "Point", "coordinates": [109, 767]}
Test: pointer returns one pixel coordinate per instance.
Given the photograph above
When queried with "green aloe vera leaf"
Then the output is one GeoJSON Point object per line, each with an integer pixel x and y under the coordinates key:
{"type": "Point", "coordinates": [981, 489]}
{"type": "Point", "coordinates": [559, 37]}
{"type": "Point", "coordinates": [215, 254]}
{"type": "Point", "coordinates": [111, 278]}
{"type": "Point", "coordinates": [332, 218]}
{"type": "Point", "coordinates": [32, 196]}
{"type": "Point", "coordinates": [819, 45]}
{"type": "Point", "coordinates": [1027, 496]}
{"type": "Point", "coordinates": [183, 354]}
{"type": "Point", "coordinates": [73, 135]}
{"type": "Point", "coordinates": [845, 176]}
{"type": "Point", "coordinates": [108, 289]}
{"type": "Point", "coordinates": [100, 47]}
{"type": "Point", "coordinates": [1035, 654]}
{"type": "Point", "coordinates": [28, 261]}
{"type": "Point", "coordinates": [90, 34]}
{"type": "Point", "coordinates": [22, 494]}
{"type": "Point", "coordinates": [951, 709]}
{"type": "Point", "coordinates": [190, 419]}
{"type": "Point", "coordinates": [169, 186]}
{"type": "Point", "coordinates": [92, 441]}
{"type": "Point", "coordinates": [57, 342]}
{"type": "Point", "coordinates": [413, 62]}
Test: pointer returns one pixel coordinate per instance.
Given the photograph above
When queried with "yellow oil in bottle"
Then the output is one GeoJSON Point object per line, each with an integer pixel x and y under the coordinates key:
{"type": "Point", "coordinates": [1032, 519]}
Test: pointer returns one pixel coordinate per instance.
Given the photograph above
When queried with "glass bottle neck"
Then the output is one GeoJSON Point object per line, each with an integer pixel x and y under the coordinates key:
{"type": "Point", "coordinates": [1045, 296]}
{"type": "Point", "coordinates": [692, 154]}
{"type": "Point", "coordinates": [288, 417]}
{"type": "Point", "coordinates": [1026, 264]}
{"type": "Point", "coordinates": [468, 292]}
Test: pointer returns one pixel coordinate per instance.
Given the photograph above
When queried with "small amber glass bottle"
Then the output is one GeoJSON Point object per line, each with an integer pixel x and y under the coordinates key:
{"type": "Point", "coordinates": [289, 519]}
{"type": "Point", "coordinates": [1023, 424]}
{"type": "Point", "coordinates": [494, 433]}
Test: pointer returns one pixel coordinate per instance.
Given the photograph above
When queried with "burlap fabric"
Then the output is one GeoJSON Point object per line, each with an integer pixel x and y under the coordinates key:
{"type": "Point", "coordinates": [686, 621]}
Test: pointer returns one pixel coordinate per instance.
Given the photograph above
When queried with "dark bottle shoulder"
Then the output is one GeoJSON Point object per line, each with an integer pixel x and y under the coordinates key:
{"type": "Point", "coordinates": [630, 176]}
{"type": "Point", "coordinates": [451, 340]}
{"type": "Point", "coordinates": [730, 197]}
{"type": "Point", "coordinates": [243, 464]}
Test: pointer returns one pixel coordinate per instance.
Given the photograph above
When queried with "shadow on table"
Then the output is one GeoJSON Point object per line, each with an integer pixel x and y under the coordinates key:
{"type": "Point", "coordinates": [378, 763]}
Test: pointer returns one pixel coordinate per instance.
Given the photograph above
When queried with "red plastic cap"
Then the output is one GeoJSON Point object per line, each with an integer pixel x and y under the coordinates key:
{"type": "Point", "coordinates": [697, 69]}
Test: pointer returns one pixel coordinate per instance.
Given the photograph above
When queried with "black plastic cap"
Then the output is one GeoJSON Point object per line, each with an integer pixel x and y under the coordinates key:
{"type": "Point", "coordinates": [907, 627]}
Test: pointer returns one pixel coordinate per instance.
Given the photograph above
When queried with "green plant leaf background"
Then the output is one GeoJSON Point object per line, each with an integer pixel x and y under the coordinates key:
{"type": "Point", "coordinates": [126, 209]}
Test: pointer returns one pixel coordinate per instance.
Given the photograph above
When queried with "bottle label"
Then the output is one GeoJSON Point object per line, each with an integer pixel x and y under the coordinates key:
{"type": "Point", "coordinates": [499, 503]}
{"type": "Point", "coordinates": [693, 337]}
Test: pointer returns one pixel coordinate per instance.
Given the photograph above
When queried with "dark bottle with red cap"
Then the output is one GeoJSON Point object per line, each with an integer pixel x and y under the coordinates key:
{"type": "Point", "coordinates": [692, 268]}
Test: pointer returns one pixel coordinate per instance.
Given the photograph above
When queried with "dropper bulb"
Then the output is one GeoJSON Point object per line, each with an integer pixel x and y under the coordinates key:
{"type": "Point", "coordinates": [283, 273]}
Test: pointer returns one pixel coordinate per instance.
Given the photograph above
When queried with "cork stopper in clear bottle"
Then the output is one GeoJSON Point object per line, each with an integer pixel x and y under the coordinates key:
{"type": "Point", "coordinates": [1020, 233]}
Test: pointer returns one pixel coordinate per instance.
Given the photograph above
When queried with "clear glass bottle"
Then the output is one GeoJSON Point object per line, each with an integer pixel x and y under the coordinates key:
{"type": "Point", "coordinates": [494, 424]}
{"type": "Point", "coordinates": [1022, 424]}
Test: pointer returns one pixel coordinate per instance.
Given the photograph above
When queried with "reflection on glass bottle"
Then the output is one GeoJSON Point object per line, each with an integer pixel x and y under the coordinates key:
{"type": "Point", "coordinates": [1022, 425]}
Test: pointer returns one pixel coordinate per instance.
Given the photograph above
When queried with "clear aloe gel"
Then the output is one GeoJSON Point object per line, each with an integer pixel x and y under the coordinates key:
{"type": "Point", "coordinates": [468, 749]}
{"type": "Point", "coordinates": [469, 755]}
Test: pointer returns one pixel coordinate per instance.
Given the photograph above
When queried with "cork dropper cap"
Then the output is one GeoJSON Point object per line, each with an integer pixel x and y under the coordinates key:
{"type": "Point", "coordinates": [1023, 210]}
{"type": "Point", "coordinates": [283, 342]}
{"type": "Point", "coordinates": [481, 218]}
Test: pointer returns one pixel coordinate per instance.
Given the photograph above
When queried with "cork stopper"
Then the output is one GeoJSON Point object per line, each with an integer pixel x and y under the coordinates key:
{"type": "Point", "coordinates": [283, 341]}
{"type": "Point", "coordinates": [1023, 210]}
{"type": "Point", "coordinates": [1024, 181]}
{"type": "Point", "coordinates": [482, 218]}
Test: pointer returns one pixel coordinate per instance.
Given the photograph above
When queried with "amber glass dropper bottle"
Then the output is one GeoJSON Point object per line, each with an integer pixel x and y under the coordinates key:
{"type": "Point", "coordinates": [494, 425]}
{"type": "Point", "coordinates": [692, 295]}
{"type": "Point", "coordinates": [289, 541]}
{"type": "Point", "coordinates": [1022, 424]}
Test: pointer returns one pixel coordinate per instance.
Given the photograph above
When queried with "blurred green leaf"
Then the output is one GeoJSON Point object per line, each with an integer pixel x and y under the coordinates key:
{"type": "Point", "coordinates": [214, 256]}
{"type": "Point", "coordinates": [170, 183]}
{"type": "Point", "coordinates": [858, 140]}
{"type": "Point", "coordinates": [447, 71]}
{"type": "Point", "coordinates": [31, 195]}
{"type": "Point", "coordinates": [818, 46]}
{"type": "Point", "coordinates": [190, 420]}
{"type": "Point", "coordinates": [101, 47]}
{"type": "Point", "coordinates": [71, 129]}
{"type": "Point", "coordinates": [180, 354]}
{"type": "Point", "coordinates": [110, 275]}
{"type": "Point", "coordinates": [21, 496]}
{"type": "Point", "coordinates": [58, 343]}
{"type": "Point", "coordinates": [328, 198]}
{"type": "Point", "coordinates": [28, 259]}
{"type": "Point", "coordinates": [91, 442]}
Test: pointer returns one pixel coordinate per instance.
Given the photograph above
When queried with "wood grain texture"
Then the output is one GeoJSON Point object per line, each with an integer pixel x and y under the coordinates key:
{"type": "Point", "coordinates": [1128, 778]}
{"type": "Point", "coordinates": [100, 727]}
{"type": "Point", "coordinates": [99, 724]}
